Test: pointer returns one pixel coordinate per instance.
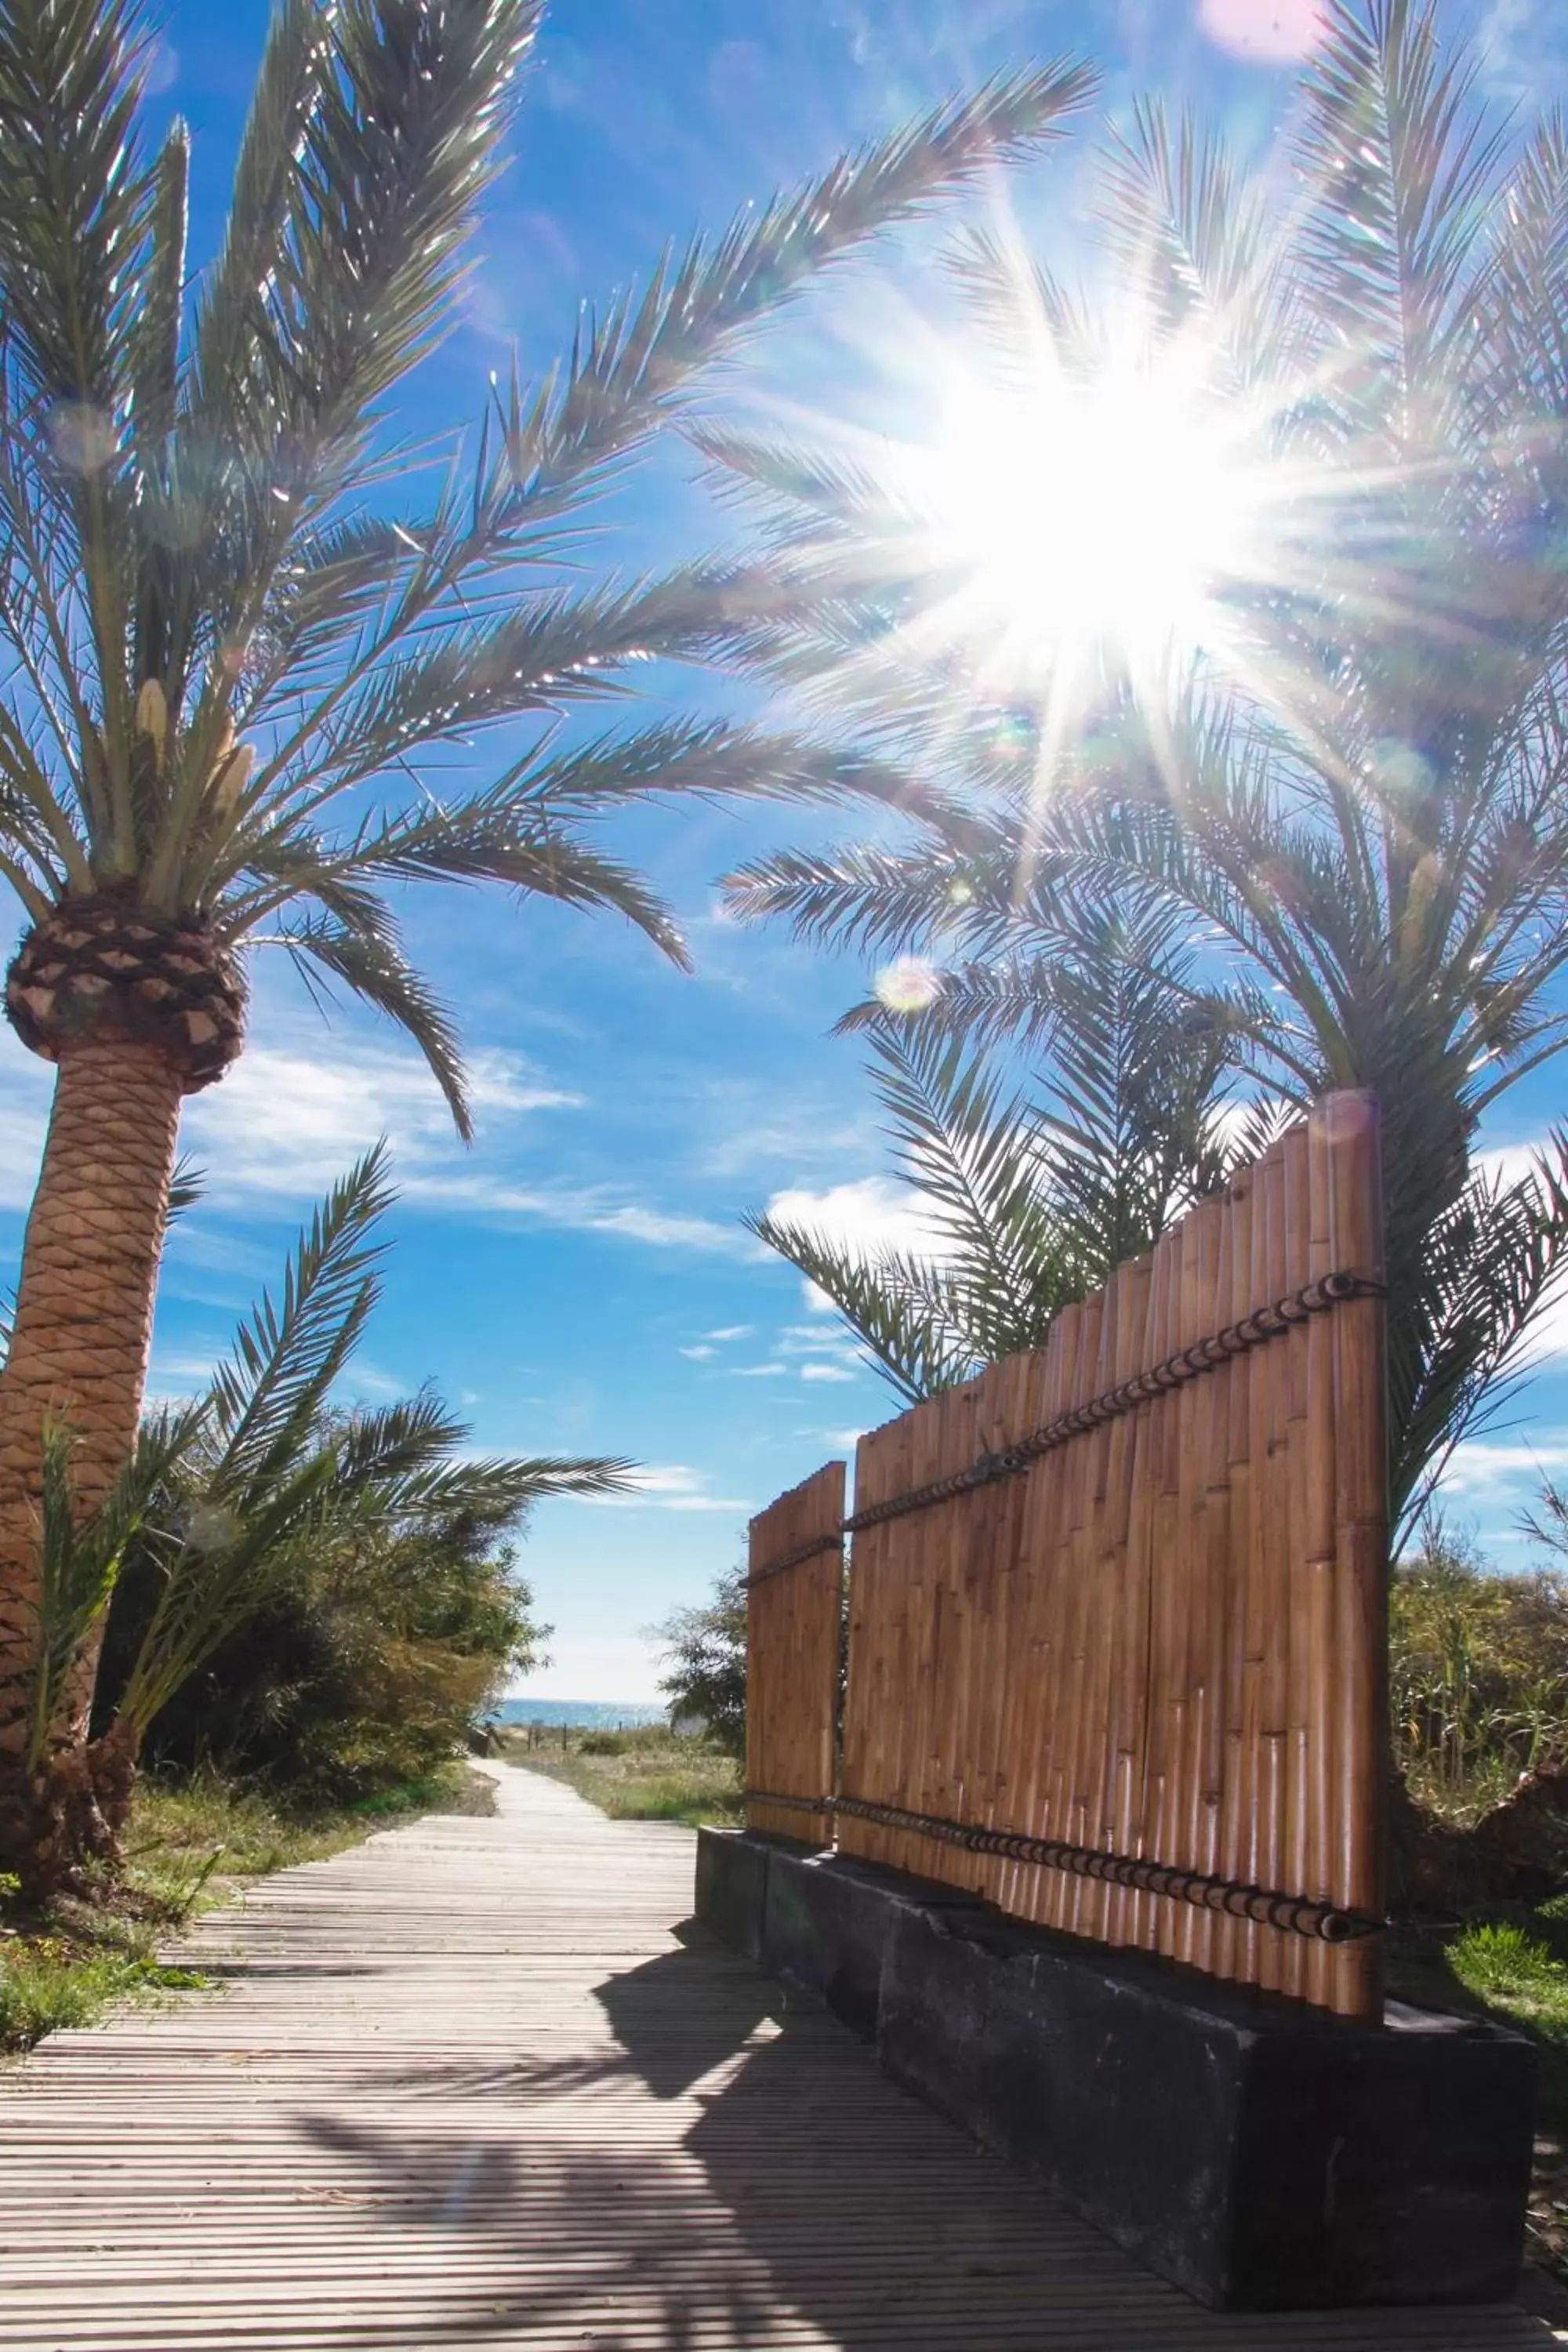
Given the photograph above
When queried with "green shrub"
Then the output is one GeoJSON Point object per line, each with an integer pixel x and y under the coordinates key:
{"type": "Point", "coordinates": [602, 1743]}
{"type": "Point", "coordinates": [363, 1671]}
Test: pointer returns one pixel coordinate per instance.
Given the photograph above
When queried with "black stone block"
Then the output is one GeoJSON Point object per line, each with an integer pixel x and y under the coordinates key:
{"type": "Point", "coordinates": [825, 1926]}
{"type": "Point", "coordinates": [732, 1887]}
{"type": "Point", "coordinates": [1262, 2157]}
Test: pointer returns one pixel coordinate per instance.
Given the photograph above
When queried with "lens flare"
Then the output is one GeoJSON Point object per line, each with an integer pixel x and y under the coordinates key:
{"type": "Point", "coordinates": [1078, 513]}
{"type": "Point", "coordinates": [910, 985]}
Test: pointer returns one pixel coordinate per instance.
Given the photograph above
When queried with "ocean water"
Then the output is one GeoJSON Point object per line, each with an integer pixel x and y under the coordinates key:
{"type": "Point", "coordinates": [580, 1715]}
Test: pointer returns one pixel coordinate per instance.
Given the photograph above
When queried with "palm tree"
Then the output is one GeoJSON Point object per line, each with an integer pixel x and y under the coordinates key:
{"type": "Point", "coordinates": [1034, 1188]}
{"type": "Point", "coordinates": [218, 1503]}
{"type": "Point", "coordinates": [232, 644]}
{"type": "Point", "coordinates": [1350, 777]}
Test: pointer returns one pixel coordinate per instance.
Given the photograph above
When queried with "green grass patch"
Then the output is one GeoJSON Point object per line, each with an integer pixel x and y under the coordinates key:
{"type": "Point", "coordinates": [647, 1775]}
{"type": "Point", "coordinates": [189, 1844]}
{"type": "Point", "coordinates": [1502, 1962]}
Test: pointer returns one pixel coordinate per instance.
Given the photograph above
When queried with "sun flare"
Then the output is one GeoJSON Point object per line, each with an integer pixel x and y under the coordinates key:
{"type": "Point", "coordinates": [1085, 515]}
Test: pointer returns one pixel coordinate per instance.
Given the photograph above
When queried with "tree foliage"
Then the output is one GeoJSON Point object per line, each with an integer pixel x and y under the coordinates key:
{"type": "Point", "coordinates": [1479, 1674]}
{"type": "Point", "coordinates": [705, 1649]}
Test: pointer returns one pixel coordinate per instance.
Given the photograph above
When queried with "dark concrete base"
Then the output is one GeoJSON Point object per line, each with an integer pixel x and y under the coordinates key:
{"type": "Point", "coordinates": [1262, 2158]}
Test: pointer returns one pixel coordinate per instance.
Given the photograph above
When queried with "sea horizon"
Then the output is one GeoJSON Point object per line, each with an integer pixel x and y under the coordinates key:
{"type": "Point", "coordinates": [589, 1714]}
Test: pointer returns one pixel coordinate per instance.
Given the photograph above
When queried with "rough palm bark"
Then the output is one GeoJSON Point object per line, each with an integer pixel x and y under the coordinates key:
{"type": "Point", "coordinates": [78, 1350]}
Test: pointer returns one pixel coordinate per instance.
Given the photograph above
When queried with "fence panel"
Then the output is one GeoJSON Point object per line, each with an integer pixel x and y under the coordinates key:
{"type": "Point", "coordinates": [794, 1606]}
{"type": "Point", "coordinates": [1157, 1636]}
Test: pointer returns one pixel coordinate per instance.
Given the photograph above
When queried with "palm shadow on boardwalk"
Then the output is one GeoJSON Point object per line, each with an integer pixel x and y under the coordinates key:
{"type": "Point", "coordinates": [803, 2184]}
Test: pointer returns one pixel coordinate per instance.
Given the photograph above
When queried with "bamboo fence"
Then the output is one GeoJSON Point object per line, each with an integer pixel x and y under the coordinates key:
{"type": "Point", "coordinates": [1154, 1638]}
{"type": "Point", "coordinates": [794, 1607]}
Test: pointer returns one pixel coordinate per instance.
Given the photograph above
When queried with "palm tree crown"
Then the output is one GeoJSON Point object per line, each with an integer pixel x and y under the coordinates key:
{"type": "Point", "coordinates": [222, 628]}
{"type": "Point", "coordinates": [1349, 772]}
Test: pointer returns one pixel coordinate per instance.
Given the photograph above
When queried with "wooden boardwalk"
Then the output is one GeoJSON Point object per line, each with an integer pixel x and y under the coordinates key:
{"type": "Point", "coordinates": [469, 2085]}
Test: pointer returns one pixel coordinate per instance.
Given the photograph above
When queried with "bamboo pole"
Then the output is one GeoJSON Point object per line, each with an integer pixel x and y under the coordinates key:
{"type": "Point", "coordinates": [1034, 1709]}
{"type": "Point", "coordinates": [1128, 1537]}
{"type": "Point", "coordinates": [1041, 1897]}
{"type": "Point", "coordinates": [871, 1692]}
{"type": "Point", "coordinates": [1292, 1377]}
{"type": "Point", "coordinates": [1078, 1461]}
{"type": "Point", "coordinates": [1361, 1552]}
{"type": "Point", "coordinates": [1167, 1636]}
{"type": "Point", "coordinates": [1272, 1566]}
{"type": "Point", "coordinates": [1211, 1227]}
{"type": "Point", "coordinates": [1098, 1566]}
{"type": "Point", "coordinates": [1318, 1552]}
{"type": "Point", "coordinates": [1242, 1670]}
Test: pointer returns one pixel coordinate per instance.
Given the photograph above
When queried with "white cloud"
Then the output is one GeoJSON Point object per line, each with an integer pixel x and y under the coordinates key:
{"type": "Point", "coordinates": [757, 1372]}
{"type": "Point", "coordinates": [1504, 39]}
{"type": "Point", "coordinates": [181, 1377]}
{"type": "Point", "coordinates": [825, 1373]}
{"type": "Point", "coordinates": [284, 1120]}
{"type": "Point", "coordinates": [290, 1117]}
{"type": "Point", "coordinates": [674, 1486]}
{"type": "Point", "coordinates": [1264, 32]}
{"type": "Point", "coordinates": [582, 1212]}
{"type": "Point", "coordinates": [1489, 1465]}
{"type": "Point", "coordinates": [731, 1331]}
{"type": "Point", "coordinates": [621, 1666]}
{"type": "Point", "coordinates": [700, 1355]}
{"type": "Point", "coordinates": [812, 1340]}
{"type": "Point", "coordinates": [874, 1214]}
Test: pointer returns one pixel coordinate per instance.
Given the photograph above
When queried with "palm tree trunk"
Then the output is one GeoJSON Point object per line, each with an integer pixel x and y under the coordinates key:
{"type": "Point", "coordinates": [80, 1342]}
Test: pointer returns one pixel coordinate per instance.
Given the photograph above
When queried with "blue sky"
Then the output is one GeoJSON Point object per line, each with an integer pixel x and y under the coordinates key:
{"type": "Point", "coordinates": [578, 1280]}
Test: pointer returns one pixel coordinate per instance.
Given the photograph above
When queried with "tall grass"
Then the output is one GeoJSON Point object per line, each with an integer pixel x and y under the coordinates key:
{"type": "Point", "coordinates": [648, 1774]}
{"type": "Point", "coordinates": [1479, 1676]}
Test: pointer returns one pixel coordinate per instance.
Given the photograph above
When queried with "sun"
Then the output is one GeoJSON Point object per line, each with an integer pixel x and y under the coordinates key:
{"type": "Point", "coordinates": [1086, 517]}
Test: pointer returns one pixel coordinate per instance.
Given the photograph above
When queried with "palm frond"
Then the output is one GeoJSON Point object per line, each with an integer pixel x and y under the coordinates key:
{"type": "Point", "coordinates": [74, 203]}
{"type": "Point", "coordinates": [1401, 162]}
{"type": "Point", "coordinates": [287, 1354]}
{"type": "Point", "coordinates": [79, 1557]}
{"type": "Point", "coordinates": [629, 368]}
{"type": "Point", "coordinates": [297, 58]}
{"type": "Point", "coordinates": [368, 961]}
{"type": "Point", "coordinates": [1192, 235]}
{"type": "Point", "coordinates": [894, 1304]}
{"type": "Point", "coordinates": [1460, 1333]}
{"type": "Point", "coordinates": [496, 1491]}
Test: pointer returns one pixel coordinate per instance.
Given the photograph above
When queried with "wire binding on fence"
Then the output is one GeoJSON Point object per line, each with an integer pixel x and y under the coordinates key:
{"type": "Point", "coordinates": [1254, 1330]}
{"type": "Point", "coordinates": [1299, 1914]}
{"type": "Point", "coordinates": [831, 1540]}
